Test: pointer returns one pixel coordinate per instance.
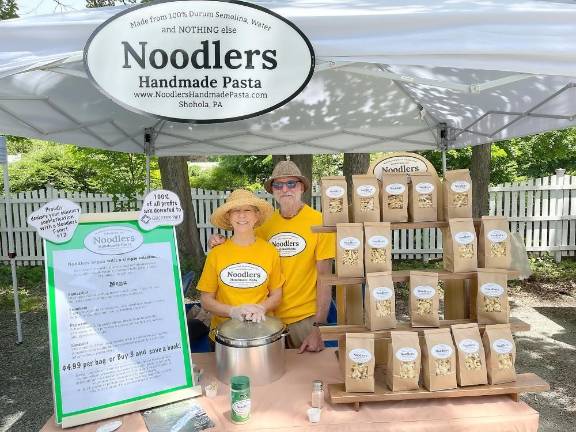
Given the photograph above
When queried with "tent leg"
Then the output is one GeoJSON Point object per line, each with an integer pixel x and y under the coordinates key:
{"type": "Point", "coordinates": [444, 162]}
{"type": "Point", "coordinates": [11, 252]}
{"type": "Point", "coordinates": [16, 301]}
{"type": "Point", "coordinates": [147, 174]}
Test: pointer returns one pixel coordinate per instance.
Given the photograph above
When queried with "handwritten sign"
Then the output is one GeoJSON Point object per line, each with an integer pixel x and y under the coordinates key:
{"type": "Point", "coordinates": [161, 207]}
{"type": "Point", "coordinates": [57, 220]}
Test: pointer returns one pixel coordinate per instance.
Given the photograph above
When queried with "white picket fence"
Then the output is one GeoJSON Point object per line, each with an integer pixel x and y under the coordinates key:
{"type": "Point", "coordinates": [542, 210]}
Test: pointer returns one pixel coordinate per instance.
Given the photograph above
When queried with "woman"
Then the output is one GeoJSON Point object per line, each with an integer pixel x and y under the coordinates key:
{"type": "Point", "coordinates": [242, 278]}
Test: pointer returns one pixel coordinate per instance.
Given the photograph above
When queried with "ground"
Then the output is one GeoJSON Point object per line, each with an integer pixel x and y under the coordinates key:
{"type": "Point", "coordinates": [547, 302]}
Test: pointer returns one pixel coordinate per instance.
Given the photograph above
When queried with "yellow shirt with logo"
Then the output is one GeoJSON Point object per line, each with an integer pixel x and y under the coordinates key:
{"type": "Point", "coordinates": [299, 250]}
{"type": "Point", "coordinates": [241, 274]}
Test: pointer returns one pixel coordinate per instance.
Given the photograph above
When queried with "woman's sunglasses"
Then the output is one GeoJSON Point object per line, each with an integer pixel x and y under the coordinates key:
{"type": "Point", "coordinates": [290, 184]}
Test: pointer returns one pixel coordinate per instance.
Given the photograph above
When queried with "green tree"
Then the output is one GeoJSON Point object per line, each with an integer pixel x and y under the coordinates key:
{"type": "Point", "coordinates": [49, 164]}
{"type": "Point", "coordinates": [8, 9]}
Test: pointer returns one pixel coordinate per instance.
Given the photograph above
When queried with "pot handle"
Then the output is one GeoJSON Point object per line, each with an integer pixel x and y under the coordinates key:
{"type": "Point", "coordinates": [212, 333]}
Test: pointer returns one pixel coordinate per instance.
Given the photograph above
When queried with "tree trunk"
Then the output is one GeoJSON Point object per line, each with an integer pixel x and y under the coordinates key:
{"type": "Point", "coordinates": [354, 163]}
{"type": "Point", "coordinates": [174, 172]}
{"type": "Point", "coordinates": [304, 162]}
{"type": "Point", "coordinates": [480, 173]}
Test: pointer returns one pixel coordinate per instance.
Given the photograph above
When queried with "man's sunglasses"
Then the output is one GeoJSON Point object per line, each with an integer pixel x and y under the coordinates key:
{"type": "Point", "coordinates": [290, 184]}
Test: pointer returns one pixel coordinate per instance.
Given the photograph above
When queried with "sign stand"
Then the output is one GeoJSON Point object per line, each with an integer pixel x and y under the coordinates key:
{"type": "Point", "coordinates": [118, 334]}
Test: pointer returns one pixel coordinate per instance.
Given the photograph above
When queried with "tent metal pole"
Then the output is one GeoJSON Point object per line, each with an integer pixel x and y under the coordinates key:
{"type": "Point", "coordinates": [11, 251]}
{"type": "Point", "coordinates": [443, 161]}
{"type": "Point", "coordinates": [148, 138]}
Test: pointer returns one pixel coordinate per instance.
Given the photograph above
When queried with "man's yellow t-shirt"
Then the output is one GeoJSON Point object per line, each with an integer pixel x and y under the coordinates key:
{"type": "Point", "coordinates": [241, 274]}
{"type": "Point", "coordinates": [299, 250]}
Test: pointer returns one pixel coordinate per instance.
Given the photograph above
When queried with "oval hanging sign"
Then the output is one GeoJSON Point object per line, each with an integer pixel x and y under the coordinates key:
{"type": "Point", "coordinates": [199, 61]}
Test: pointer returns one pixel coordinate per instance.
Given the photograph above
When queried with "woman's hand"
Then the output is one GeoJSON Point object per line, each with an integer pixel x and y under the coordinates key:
{"type": "Point", "coordinates": [248, 312]}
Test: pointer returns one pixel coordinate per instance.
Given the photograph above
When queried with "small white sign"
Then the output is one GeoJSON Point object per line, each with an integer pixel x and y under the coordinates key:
{"type": "Point", "coordinates": [502, 346]}
{"type": "Point", "coordinates": [378, 242]}
{"type": "Point", "coordinates": [441, 351]}
{"type": "Point", "coordinates": [382, 293]}
{"type": "Point", "coordinates": [288, 244]}
{"type": "Point", "coordinates": [161, 207]}
{"type": "Point", "coordinates": [424, 188]}
{"type": "Point", "coordinates": [469, 346]}
{"type": "Point", "coordinates": [360, 355]}
{"type": "Point", "coordinates": [424, 291]}
{"type": "Point", "coordinates": [243, 275]}
{"type": "Point", "coordinates": [497, 236]}
{"type": "Point", "coordinates": [116, 240]}
{"type": "Point", "coordinates": [366, 190]}
{"type": "Point", "coordinates": [460, 186]}
{"type": "Point", "coordinates": [349, 243]}
{"type": "Point", "coordinates": [395, 189]}
{"type": "Point", "coordinates": [334, 192]}
{"type": "Point", "coordinates": [492, 289]}
{"type": "Point", "coordinates": [464, 237]}
{"type": "Point", "coordinates": [56, 221]}
{"type": "Point", "coordinates": [407, 354]}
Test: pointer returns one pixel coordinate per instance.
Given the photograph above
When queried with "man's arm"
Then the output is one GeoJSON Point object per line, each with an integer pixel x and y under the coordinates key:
{"type": "Point", "coordinates": [313, 342]}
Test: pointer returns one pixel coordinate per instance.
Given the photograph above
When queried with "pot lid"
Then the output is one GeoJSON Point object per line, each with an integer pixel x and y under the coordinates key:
{"type": "Point", "coordinates": [248, 330]}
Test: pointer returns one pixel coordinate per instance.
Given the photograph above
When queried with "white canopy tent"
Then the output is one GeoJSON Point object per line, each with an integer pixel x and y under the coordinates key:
{"type": "Point", "coordinates": [390, 75]}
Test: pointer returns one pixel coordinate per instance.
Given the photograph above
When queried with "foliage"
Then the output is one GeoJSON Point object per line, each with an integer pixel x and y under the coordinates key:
{"type": "Point", "coordinates": [66, 167]}
{"type": "Point", "coordinates": [540, 155]}
{"type": "Point", "coordinates": [16, 145]}
{"type": "Point", "coordinates": [49, 164]}
{"type": "Point", "coordinates": [546, 269]}
{"type": "Point", "coordinates": [122, 175]}
{"type": "Point", "coordinates": [31, 290]}
{"type": "Point", "coordinates": [105, 3]}
{"type": "Point", "coordinates": [8, 9]}
{"type": "Point", "coordinates": [233, 172]}
{"type": "Point", "coordinates": [327, 165]}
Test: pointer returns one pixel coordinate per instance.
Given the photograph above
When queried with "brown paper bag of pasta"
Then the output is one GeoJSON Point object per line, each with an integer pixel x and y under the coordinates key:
{"type": "Point", "coordinates": [334, 200]}
{"type": "Point", "coordinates": [377, 247]}
{"type": "Point", "coordinates": [500, 353]}
{"type": "Point", "coordinates": [457, 198]}
{"type": "Point", "coordinates": [403, 370]}
{"type": "Point", "coordinates": [423, 201]}
{"type": "Point", "coordinates": [349, 250]}
{"type": "Point", "coordinates": [471, 362]}
{"type": "Point", "coordinates": [494, 243]}
{"type": "Point", "coordinates": [394, 197]}
{"type": "Point", "coordinates": [359, 362]}
{"type": "Point", "coordinates": [460, 246]}
{"type": "Point", "coordinates": [492, 305]}
{"type": "Point", "coordinates": [379, 301]}
{"type": "Point", "coordinates": [424, 299]}
{"type": "Point", "coordinates": [365, 198]}
{"type": "Point", "coordinates": [438, 360]}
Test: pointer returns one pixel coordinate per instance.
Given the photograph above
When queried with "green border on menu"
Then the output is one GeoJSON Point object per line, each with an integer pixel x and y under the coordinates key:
{"type": "Point", "coordinates": [161, 234]}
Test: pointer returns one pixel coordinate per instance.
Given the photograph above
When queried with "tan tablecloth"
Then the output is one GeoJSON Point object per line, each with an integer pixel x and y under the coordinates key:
{"type": "Point", "coordinates": [282, 406]}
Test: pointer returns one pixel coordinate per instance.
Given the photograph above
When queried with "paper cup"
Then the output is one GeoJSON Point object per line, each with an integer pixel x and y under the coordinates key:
{"type": "Point", "coordinates": [314, 415]}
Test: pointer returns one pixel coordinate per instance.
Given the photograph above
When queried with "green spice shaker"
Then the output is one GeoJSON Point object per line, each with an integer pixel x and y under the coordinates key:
{"type": "Point", "coordinates": [240, 398]}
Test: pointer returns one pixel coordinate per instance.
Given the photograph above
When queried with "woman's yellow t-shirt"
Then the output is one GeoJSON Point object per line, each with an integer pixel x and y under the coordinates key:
{"type": "Point", "coordinates": [241, 274]}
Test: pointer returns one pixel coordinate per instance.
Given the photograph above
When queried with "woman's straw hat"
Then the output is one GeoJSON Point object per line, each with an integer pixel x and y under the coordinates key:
{"type": "Point", "coordinates": [239, 198]}
{"type": "Point", "coordinates": [286, 169]}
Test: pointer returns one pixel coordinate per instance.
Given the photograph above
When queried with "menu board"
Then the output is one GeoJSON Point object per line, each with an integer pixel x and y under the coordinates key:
{"type": "Point", "coordinates": [118, 336]}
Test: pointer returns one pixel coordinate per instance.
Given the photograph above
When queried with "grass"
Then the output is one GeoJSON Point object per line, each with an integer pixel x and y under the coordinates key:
{"type": "Point", "coordinates": [31, 288]}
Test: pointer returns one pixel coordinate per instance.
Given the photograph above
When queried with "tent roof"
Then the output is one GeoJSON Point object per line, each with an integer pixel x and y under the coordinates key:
{"type": "Point", "coordinates": [387, 75]}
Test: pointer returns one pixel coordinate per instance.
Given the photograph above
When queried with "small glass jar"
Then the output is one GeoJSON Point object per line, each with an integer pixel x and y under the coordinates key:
{"type": "Point", "coordinates": [240, 399]}
{"type": "Point", "coordinates": [317, 394]}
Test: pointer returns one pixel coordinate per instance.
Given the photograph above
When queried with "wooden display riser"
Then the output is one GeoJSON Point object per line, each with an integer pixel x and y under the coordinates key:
{"type": "Point", "coordinates": [404, 276]}
{"type": "Point", "coordinates": [525, 383]}
{"type": "Point", "coordinates": [334, 332]}
{"type": "Point", "coordinates": [396, 226]}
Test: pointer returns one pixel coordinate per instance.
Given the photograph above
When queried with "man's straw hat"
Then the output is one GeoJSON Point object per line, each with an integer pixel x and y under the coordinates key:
{"type": "Point", "coordinates": [286, 169]}
{"type": "Point", "coordinates": [239, 198]}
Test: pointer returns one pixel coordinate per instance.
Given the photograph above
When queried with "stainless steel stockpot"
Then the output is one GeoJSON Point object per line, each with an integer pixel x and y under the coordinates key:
{"type": "Point", "coordinates": [252, 349]}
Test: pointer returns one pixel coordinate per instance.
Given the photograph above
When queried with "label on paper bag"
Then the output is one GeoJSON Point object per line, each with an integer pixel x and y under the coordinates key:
{"type": "Point", "coordinates": [378, 242]}
{"type": "Point", "coordinates": [407, 354]}
{"type": "Point", "coordinates": [424, 188]}
{"type": "Point", "coordinates": [366, 190]}
{"type": "Point", "coordinates": [424, 291]}
{"type": "Point", "coordinates": [469, 346]}
{"type": "Point", "coordinates": [395, 189]}
{"type": "Point", "coordinates": [502, 346]}
{"type": "Point", "coordinates": [349, 243]}
{"type": "Point", "coordinates": [497, 236]}
{"type": "Point", "coordinates": [492, 290]}
{"type": "Point", "coordinates": [360, 355]}
{"type": "Point", "coordinates": [464, 237]}
{"type": "Point", "coordinates": [382, 293]}
{"type": "Point", "coordinates": [460, 186]}
{"type": "Point", "coordinates": [441, 351]}
{"type": "Point", "coordinates": [334, 192]}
